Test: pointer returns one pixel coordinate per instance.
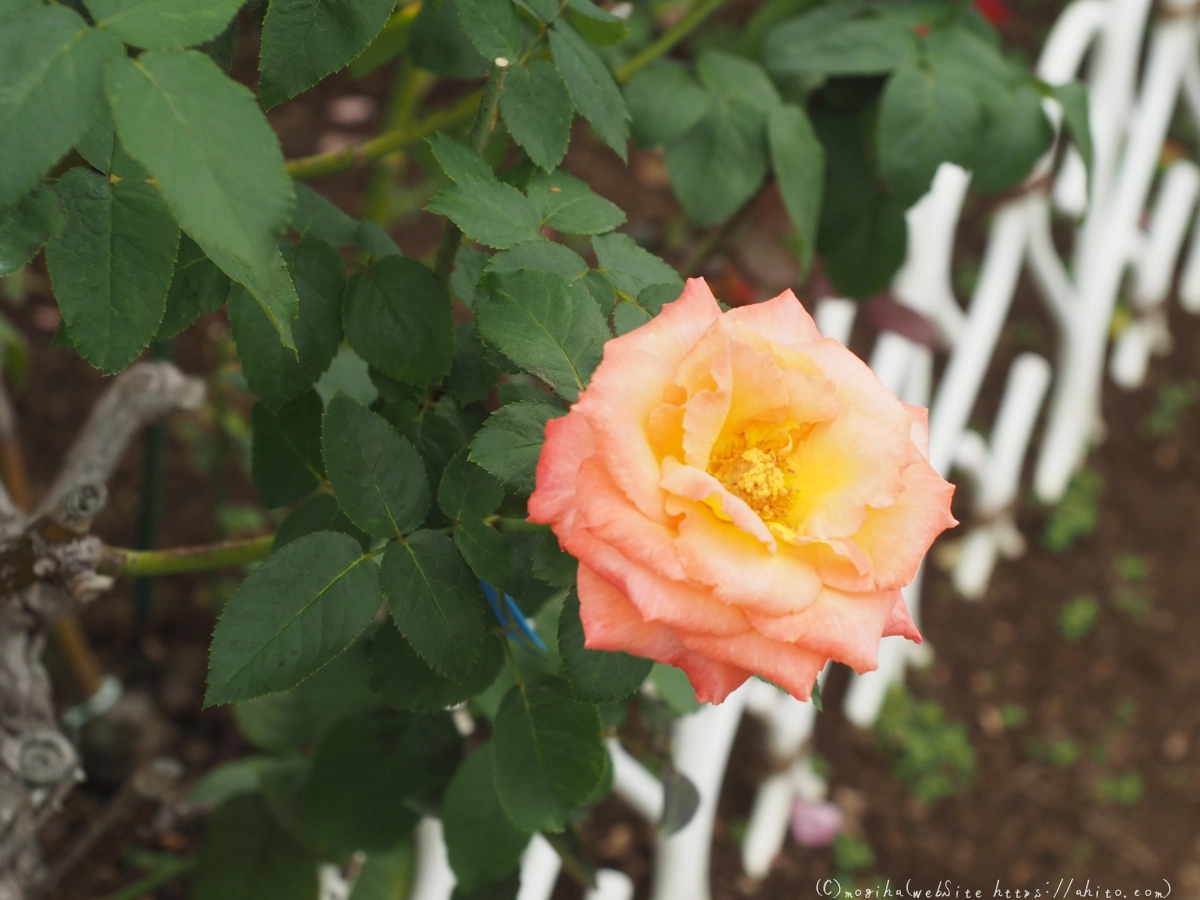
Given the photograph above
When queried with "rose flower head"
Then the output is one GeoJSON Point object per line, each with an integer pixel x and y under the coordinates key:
{"type": "Point", "coordinates": [743, 496]}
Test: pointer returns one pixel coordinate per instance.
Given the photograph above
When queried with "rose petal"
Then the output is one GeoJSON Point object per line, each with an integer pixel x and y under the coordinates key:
{"type": "Point", "coordinates": [901, 623]}
{"type": "Point", "coordinates": [629, 383]}
{"type": "Point", "coordinates": [568, 443]}
{"type": "Point", "coordinates": [611, 622]}
{"type": "Point", "coordinates": [781, 320]}
{"type": "Point", "coordinates": [841, 626]}
{"type": "Point", "coordinates": [741, 569]}
{"type": "Point", "coordinates": [690, 483]}
{"type": "Point", "coordinates": [609, 515]}
{"type": "Point", "coordinates": [657, 599]}
{"type": "Point", "coordinates": [791, 668]}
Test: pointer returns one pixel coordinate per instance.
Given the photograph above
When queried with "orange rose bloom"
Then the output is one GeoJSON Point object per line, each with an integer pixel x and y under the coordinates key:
{"type": "Point", "coordinates": [743, 497]}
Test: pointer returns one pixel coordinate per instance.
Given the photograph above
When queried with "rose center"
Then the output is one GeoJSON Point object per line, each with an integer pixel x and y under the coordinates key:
{"type": "Point", "coordinates": [757, 475]}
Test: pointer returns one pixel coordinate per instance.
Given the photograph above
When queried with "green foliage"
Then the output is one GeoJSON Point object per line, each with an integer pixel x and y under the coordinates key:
{"type": "Point", "coordinates": [1131, 567]}
{"type": "Point", "coordinates": [1077, 617]}
{"type": "Point", "coordinates": [1171, 404]}
{"type": "Point", "coordinates": [1123, 789]}
{"type": "Point", "coordinates": [851, 854]}
{"type": "Point", "coordinates": [1077, 513]}
{"type": "Point", "coordinates": [1014, 715]}
{"type": "Point", "coordinates": [547, 754]}
{"type": "Point", "coordinates": [159, 191]}
{"type": "Point", "coordinates": [933, 758]}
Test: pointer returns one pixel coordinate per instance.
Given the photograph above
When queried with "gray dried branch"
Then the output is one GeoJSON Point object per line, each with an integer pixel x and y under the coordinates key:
{"type": "Point", "coordinates": [47, 568]}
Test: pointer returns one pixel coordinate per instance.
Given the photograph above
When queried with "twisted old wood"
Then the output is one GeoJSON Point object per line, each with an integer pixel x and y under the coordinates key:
{"type": "Point", "coordinates": [48, 567]}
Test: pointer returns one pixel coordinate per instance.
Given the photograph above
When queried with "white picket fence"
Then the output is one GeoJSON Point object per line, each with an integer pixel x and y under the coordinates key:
{"type": "Point", "coordinates": [1133, 97]}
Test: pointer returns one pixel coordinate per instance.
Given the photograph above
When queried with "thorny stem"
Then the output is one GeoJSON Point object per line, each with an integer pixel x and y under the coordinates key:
{"type": "Point", "coordinates": [672, 36]}
{"type": "Point", "coordinates": [481, 133]}
{"type": "Point", "coordinates": [178, 560]}
{"type": "Point", "coordinates": [411, 84]}
{"type": "Point", "coordinates": [320, 164]}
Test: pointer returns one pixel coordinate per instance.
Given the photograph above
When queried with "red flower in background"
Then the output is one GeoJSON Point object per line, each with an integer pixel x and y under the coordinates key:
{"type": "Point", "coordinates": [995, 11]}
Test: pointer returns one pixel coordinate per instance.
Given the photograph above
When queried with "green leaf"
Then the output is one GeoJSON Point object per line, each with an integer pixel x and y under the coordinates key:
{"type": "Point", "coordinates": [111, 265]}
{"type": "Point", "coordinates": [598, 676]}
{"type": "Point", "coordinates": [10, 8]}
{"type": "Point", "coordinates": [602, 291]}
{"type": "Point", "coordinates": [319, 217]}
{"type": "Point", "coordinates": [468, 491]}
{"type": "Point", "coordinates": [1074, 99]}
{"type": "Point", "coordinates": [546, 326]}
{"type": "Point", "coordinates": [218, 164]}
{"type": "Point", "coordinates": [436, 602]}
{"type": "Point", "coordinates": [923, 121]}
{"type": "Point", "coordinates": [273, 372]}
{"type": "Point", "coordinates": [545, 255]}
{"type": "Point", "coordinates": [198, 287]}
{"type": "Point", "coordinates": [471, 376]}
{"type": "Point", "coordinates": [597, 25]}
{"type": "Point", "coordinates": [286, 451]}
{"type": "Point", "coordinates": [246, 856]}
{"type": "Point", "coordinates": [377, 475]}
{"type": "Point", "coordinates": [542, 10]}
{"type": "Point", "coordinates": [798, 160]}
{"type": "Point", "coordinates": [305, 40]}
{"type": "Point", "coordinates": [391, 41]}
{"type": "Point", "coordinates": [592, 88]}
{"type": "Point", "coordinates": [164, 23]}
{"type": "Point", "coordinates": [554, 565]}
{"type": "Point", "coordinates": [510, 441]}
{"type": "Point", "coordinates": [439, 44]}
{"type": "Point", "coordinates": [547, 754]}
{"type": "Point", "coordinates": [721, 162]}
{"type": "Point", "coordinates": [488, 554]}
{"type": "Point", "coordinates": [468, 266]}
{"type": "Point", "coordinates": [538, 111]}
{"type": "Point", "coordinates": [1014, 136]}
{"type": "Point", "coordinates": [438, 432]}
{"type": "Point", "coordinates": [665, 102]}
{"type": "Point", "coordinates": [97, 144]}
{"type": "Point", "coordinates": [568, 205]}
{"type": "Point", "coordinates": [832, 40]}
{"type": "Point", "coordinates": [367, 765]}
{"type": "Point", "coordinates": [863, 235]}
{"type": "Point", "coordinates": [482, 844]}
{"type": "Point", "coordinates": [238, 776]}
{"type": "Point", "coordinates": [674, 688]}
{"type": "Point", "coordinates": [292, 615]}
{"type": "Point", "coordinates": [386, 875]}
{"type": "Point", "coordinates": [630, 268]}
{"type": "Point", "coordinates": [398, 318]}
{"type": "Point", "coordinates": [458, 161]}
{"type": "Point", "coordinates": [320, 512]}
{"type": "Point", "coordinates": [737, 78]}
{"type": "Point", "coordinates": [492, 213]}
{"type": "Point", "coordinates": [25, 226]}
{"type": "Point", "coordinates": [51, 64]}
{"type": "Point", "coordinates": [493, 27]}
{"type": "Point", "coordinates": [506, 889]}
{"type": "Point", "coordinates": [406, 681]}
{"type": "Point", "coordinates": [294, 721]}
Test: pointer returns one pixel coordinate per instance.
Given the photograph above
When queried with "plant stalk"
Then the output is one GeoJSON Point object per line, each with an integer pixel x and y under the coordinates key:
{"type": "Point", "coordinates": [178, 560]}
{"type": "Point", "coordinates": [690, 22]}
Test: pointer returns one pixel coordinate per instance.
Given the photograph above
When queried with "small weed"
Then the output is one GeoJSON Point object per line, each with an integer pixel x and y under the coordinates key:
{"type": "Point", "coordinates": [1077, 514]}
{"type": "Point", "coordinates": [1077, 617]}
{"type": "Point", "coordinates": [851, 854]}
{"type": "Point", "coordinates": [933, 758]}
{"type": "Point", "coordinates": [1131, 567]}
{"type": "Point", "coordinates": [1173, 401]}
{"type": "Point", "coordinates": [1062, 753]}
{"type": "Point", "coordinates": [1124, 789]}
{"type": "Point", "coordinates": [1125, 712]}
{"type": "Point", "coordinates": [1134, 602]}
{"type": "Point", "coordinates": [1014, 715]}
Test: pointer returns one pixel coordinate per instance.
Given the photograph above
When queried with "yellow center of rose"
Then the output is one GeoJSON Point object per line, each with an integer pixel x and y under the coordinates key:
{"type": "Point", "coordinates": [756, 474]}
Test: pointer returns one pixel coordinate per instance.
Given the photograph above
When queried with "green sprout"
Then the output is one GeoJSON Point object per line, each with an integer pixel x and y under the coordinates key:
{"type": "Point", "coordinates": [1077, 513]}
{"type": "Point", "coordinates": [1077, 617]}
{"type": "Point", "coordinates": [1123, 789]}
{"type": "Point", "coordinates": [1173, 401]}
{"type": "Point", "coordinates": [933, 758]}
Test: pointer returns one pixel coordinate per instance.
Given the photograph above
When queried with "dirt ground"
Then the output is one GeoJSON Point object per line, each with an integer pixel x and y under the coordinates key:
{"type": "Point", "coordinates": [1085, 741]}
